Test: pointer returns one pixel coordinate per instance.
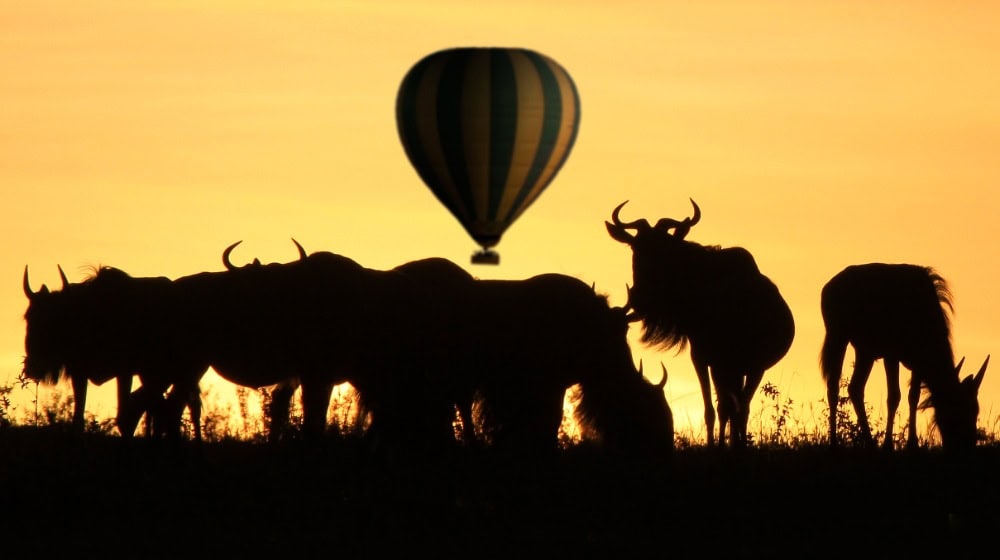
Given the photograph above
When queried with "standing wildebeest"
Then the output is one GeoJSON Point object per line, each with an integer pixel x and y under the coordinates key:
{"type": "Point", "coordinates": [897, 312]}
{"type": "Point", "coordinates": [715, 299]}
{"type": "Point", "coordinates": [109, 326]}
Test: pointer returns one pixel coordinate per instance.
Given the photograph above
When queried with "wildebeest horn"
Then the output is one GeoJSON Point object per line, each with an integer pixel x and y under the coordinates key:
{"type": "Point", "coordinates": [978, 379]}
{"type": "Point", "coordinates": [27, 286]}
{"type": "Point", "coordinates": [681, 227]}
{"type": "Point", "coordinates": [618, 230]}
{"type": "Point", "coordinates": [62, 276]}
{"type": "Point", "coordinates": [225, 255]}
{"type": "Point", "coordinates": [958, 368]}
{"type": "Point", "coordinates": [663, 382]}
{"type": "Point", "coordinates": [302, 252]}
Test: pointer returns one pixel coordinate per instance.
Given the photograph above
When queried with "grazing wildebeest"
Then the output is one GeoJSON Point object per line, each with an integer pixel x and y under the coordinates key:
{"type": "Point", "coordinates": [318, 321]}
{"type": "Point", "coordinates": [714, 299]}
{"type": "Point", "coordinates": [431, 277]}
{"type": "Point", "coordinates": [110, 326]}
{"type": "Point", "coordinates": [420, 338]}
{"type": "Point", "coordinates": [527, 341]}
{"type": "Point", "coordinates": [897, 312]}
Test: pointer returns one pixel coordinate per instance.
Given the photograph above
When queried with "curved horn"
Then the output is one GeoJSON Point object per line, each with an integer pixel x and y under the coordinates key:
{"type": "Point", "coordinates": [663, 382]}
{"type": "Point", "coordinates": [682, 227]}
{"type": "Point", "coordinates": [632, 225]}
{"type": "Point", "coordinates": [696, 217]}
{"type": "Point", "coordinates": [62, 276]}
{"type": "Point", "coordinates": [619, 230]}
{"type": "Point", "coordinates": [302, 252]}
{"type": "Point", "coordinates": [27, 284]}
{"type": "Point", "coordinates": [958, 368]}
{"type": "Point", "coordinates": [225, 255]}
{"type": "Point", "coordinates": [978, 379]}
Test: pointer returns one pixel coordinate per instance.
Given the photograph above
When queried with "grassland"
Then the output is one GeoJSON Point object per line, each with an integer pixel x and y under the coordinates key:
{"type": "Point", "coordinates": [91, 496]}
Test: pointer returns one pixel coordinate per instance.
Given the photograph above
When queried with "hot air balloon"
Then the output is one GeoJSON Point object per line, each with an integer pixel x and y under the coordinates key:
{"type": "Point", "coordinates": [487, 129]}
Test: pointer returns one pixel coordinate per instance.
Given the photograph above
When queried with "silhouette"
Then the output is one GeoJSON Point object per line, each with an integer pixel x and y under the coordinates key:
{"type": "Point", "coordinates": [281, 395]}
{"type": "Point", "coordinates": [716, 299]}
{"type": "Point", "coordinates": [533, 111]}
{"type": "Point", "coordinates": [528, 341]}
{"type": "Point", "coordinates": [431, 277]}
{"type": "Point", "coordinates": [110, 326]}
{"type": "Point", "coordinates": [897, 312]}
{"type": "Point", "coordinates": [413, 341]}
{"type": "Point", "coordinates": [419, 339]}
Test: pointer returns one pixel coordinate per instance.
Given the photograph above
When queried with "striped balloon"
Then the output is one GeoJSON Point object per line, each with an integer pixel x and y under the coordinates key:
{"type": "Point", "coordinates": [487, 129]}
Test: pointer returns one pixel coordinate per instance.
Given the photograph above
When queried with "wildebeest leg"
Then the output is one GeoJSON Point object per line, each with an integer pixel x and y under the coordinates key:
{"type": "Point", "coordinates": [124, 406]}
{"type": "Point", "coordinates": [834, 349]}
{"type": "Point", "coordinates": [728, 392]}
{"type": "Point", "coordinates": [194, 405]}
{"type": "Point", "coordinates": [856, 391]}
{"type": "Point", "coordinates": [749, 389]}
{"type": "Point", "coordinates": [142, 400]}
{"type": "Point", "coordinates": [701, 369]}
{"type": "Point", "coordinates": [279, 408]}
{"type": "Point", "coordinates": [892, 397]}
{"type": "Point", "coordinates": [181, 396]}
{"type": "Point", "coordinates": [913, 399]}
{"type": "Point", "coordinates": [80, 383]}
{"type": "Point", "coordinates": [315, 405]}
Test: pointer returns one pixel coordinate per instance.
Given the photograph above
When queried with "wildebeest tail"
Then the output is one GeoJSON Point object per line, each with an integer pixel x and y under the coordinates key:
{"type": "Point", "coordinates": [832, 356]}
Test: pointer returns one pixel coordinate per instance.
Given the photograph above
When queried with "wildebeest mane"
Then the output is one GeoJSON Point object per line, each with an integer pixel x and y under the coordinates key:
{"type": "Point", "coordinates": [944, 296]}
{"type": "Point", "coordinates": [697, 274]}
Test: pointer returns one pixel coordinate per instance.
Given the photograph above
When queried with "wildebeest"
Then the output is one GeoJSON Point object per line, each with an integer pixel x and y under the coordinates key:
{"type": "Point", "coordinates": [714, 299]}
{"type": "Point", "coordinates": [527, 341]}
{"type": "Point", "coordinates": [110, 326]}
{"type": "Point", "coordinates": [420, 338]}
{"type": "Point", "coordinates": [424, 280]}
{"type": "Point", "coordinates": [897, 312]}
{"type": "Point", "coordinates": [413, 341]}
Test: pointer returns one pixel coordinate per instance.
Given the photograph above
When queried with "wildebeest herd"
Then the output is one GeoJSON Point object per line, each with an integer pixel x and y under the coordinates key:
{"type": "Point", "coordinates": [424, 338]}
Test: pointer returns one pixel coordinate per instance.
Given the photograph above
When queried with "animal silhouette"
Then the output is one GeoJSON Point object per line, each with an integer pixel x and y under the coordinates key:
{"type": "Point", "coordinates": [110, 326]}
{"type": "Point", "coordinates": [897, 312]}
{"type": "Point", "coordinates": [528, 341]}
{"type": "Point", "coordinates": [715, 299]}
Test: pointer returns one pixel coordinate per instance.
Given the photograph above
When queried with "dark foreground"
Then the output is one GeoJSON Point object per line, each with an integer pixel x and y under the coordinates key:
{"type": "Point", "coordinates": [91, 498]}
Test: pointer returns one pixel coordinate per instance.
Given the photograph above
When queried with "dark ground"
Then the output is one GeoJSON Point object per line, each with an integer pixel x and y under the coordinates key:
{"type": "Point", "coordinates": [88, 496]}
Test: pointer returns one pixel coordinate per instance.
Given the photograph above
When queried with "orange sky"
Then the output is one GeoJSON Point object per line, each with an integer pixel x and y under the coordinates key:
{"type": "Point", "coordinates": [149, 136]}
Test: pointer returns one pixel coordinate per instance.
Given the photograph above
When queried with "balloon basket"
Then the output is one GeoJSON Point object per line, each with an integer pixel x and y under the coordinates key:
{"type": "Point", "coordinates": [486, 256]}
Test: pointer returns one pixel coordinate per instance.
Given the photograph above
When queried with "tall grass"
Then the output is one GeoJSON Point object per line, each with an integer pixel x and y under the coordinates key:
{"type": "Point", "coordinates": [778, 421]}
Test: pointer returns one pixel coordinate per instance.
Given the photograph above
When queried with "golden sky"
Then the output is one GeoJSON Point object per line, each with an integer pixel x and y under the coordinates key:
{"type": "Point", "coordinates": [151, 135]}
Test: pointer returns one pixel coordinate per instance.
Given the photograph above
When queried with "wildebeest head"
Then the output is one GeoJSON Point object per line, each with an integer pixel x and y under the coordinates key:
{"type": "Point", "coordinates": [666, 270]}
{"type": "Point", "coordinates": [46, 332]}
{"type": "Point", "coordinates": [626, 412]}
{"type": "Point", "coordinates": [956, 408]}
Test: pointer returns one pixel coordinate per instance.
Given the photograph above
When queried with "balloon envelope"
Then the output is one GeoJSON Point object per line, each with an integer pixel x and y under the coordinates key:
{"type": "Point", "coordinates": [487, 129]}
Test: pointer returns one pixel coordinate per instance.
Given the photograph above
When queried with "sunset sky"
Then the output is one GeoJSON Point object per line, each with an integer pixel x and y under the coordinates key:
{"type": "Point", "coordinates": [151, 135]}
